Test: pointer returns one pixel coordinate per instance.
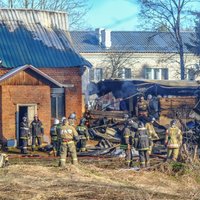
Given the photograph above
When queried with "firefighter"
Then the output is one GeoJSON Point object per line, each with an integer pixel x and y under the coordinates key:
{"type": "Point", "coordinates": [54, 132]}
{"type": "Point", "coordinates": [142, 142]}
{"type": "Point", "coordinates": [142, 107]}
{"type": "Point", "coordinates": [24, 135]}
{"type": "Point", "coordinates": [173, 141]}
{"type": "Point", "coordinates": [128, 136]}
{"type": "Point", "coordinates": [37, 132]}
{"type": "Point", "coordinates": [83, 135]}
{"type": "Point", "coordinates": [68, 135]}
{"type": "Point", "coordinates": [151, 132]}
{"type": "Point", "coordinates": [87, 116]}
{"type": "Point", "coordinates": [153, 106]}
{"type": "Point", "coordinates": [72, 119]}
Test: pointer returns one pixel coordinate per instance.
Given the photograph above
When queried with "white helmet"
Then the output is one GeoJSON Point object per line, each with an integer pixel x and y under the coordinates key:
{"type": "Point", "coordinates": [56, 121]}
{"type": "Point", "coordinates": [63, 118]}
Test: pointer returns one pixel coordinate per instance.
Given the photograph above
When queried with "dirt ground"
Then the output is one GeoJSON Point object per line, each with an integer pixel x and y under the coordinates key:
{"type": "Point", "coordinates": [94, 179]}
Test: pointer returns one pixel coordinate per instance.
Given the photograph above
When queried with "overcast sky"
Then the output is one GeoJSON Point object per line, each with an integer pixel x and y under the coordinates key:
{"type": "Point", "coordinates": [113, 14]}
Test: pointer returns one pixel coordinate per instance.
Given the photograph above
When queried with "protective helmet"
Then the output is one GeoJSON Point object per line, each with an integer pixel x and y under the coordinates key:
{"type": "Point", "coordinates": [140, 125]}
{"type": "Point", "coordinates": [72, 116]}
{"type": "Point", "coordinates": [126, 116]}
{"type": "Point", "coordinates": [24, 118]}
{"type": "Point", "coordinates": [153, 119]}
{"type": "Point", "coordinates": [63, 118]}
{"type": "Point", "coordinates": [149, 96]}
{"type": "Point", "coordinates": [173, 122]}
{"type": "Point", "coordinates": [130, 122]}
{"type": "Point", "coordinates": [56, 121]}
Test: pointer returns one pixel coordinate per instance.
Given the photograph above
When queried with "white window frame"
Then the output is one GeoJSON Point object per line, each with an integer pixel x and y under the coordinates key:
{"type": "Point", "coordinates": [152, 73]}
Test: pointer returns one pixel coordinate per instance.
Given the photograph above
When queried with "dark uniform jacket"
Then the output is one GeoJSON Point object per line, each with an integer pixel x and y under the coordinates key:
{"type": "Point", "coordinates": [24, 130]}
{"type": "Point", "coordinates": [37, 128]}
{"type": "Point", "coordinates": [142, 140]}
{"type": "Point", "coordinates": [55, 132]}
{"type": "Point", "coordinates": [82, 131]}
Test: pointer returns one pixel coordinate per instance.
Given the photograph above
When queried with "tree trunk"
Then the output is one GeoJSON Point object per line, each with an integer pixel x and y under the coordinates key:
{"type": "Point", "coordinates": [182, 63]}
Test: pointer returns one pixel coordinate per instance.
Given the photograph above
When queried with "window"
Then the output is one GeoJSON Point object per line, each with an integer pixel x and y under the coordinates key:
{"type": "Point", "coordinates": [124, 73]}
{"type": "Point", "coordinates": [164, 74]}
{"type": "Point", "coordinates": [156, 73]}
{"type": "Point", "coordinates": [99, 74]}
{"type": "Point", "coordinates": [96, 74]}
{"type": "Point", "coordinates": [148, 73]}
{"type": "Point", "coordinates": [191, 74]}
{"type": "Point", "coordinates": [127, 72]}
{"type": "Point", "coordinates": [57, 103]}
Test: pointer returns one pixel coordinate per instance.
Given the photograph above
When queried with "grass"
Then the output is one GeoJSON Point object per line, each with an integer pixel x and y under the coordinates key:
{"type": "Point", "coordinates": [95, 179]}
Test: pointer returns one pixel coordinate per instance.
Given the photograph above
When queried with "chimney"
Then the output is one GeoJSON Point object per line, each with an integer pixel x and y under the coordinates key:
{"type": "Point", "coordinates": [106, 38]}
{"type": "Point", "coordinates": [98, 34]}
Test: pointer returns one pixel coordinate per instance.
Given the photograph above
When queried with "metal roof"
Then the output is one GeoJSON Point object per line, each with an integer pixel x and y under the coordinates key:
{"type": "Point", "coordinates": [126, 88]}
{"type": "Point", "coordinates": [41, 41]}
{"type": "Point", "coordinates": [128, 41]}
{"type": "Point", "coordinates": [14, 71]}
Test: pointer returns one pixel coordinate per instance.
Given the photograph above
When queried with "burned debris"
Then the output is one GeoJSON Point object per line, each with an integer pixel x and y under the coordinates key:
{"type": "Point", "coordinates": [117, 103]}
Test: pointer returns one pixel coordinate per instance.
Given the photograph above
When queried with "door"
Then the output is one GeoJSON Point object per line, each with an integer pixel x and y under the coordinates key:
{"type": "Point", "coordinates": [24, 110]}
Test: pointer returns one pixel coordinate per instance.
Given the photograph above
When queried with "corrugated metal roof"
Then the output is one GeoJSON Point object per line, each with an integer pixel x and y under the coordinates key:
{"type": "Point", "coordinates": [128, 41]}
{"type": "Point", "coordinates": [25, 39]}
{"type": "Point", "coordinates": [14, 71]}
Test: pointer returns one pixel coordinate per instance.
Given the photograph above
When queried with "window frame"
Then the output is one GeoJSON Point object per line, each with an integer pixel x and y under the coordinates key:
{"type": "Point", "coordinates": [57, 93]}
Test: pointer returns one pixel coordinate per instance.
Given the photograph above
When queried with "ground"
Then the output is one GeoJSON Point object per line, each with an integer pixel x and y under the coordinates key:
{"type": "Point", "coordinates": [94, 179]}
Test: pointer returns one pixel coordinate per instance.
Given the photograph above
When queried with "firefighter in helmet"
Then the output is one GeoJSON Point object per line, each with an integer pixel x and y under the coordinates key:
{"type": "Point", "coordinates": [173, 140]}
{"type": "Point", "coordinates": [55, 132]}
{"type": "Point", "coordinates": [83, 135]}
{"type": "Point", "coordinates": [68, 136]}
{"type": "Point", "coordinates": [24, 134]}
{"type": "Point", "coordinates": [142, 143]}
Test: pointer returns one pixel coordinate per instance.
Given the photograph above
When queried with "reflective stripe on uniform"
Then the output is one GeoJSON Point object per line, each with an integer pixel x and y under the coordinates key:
{"type": "Point", "coordinates": [173, 146]}
{"type": "Point", "coordinates": [74, 159]}
{"type": "Point", "coordinates": [144, 149]}
{"type": "Point", "coordinates": [62, 159]}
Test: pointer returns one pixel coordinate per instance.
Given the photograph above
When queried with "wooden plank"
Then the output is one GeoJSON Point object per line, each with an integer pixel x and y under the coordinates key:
{"type": "Point", "coordinates": [108, 114]}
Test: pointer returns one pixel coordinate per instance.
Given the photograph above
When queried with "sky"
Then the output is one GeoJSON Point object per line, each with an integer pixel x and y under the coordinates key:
{"type": "Point", "coordinates": [113, 14]}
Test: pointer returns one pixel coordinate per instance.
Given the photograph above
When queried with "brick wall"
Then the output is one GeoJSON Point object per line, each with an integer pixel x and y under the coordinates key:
{"type": "Point", "coordinates": [73, 96]}
{"type": "Point", "coordinates": [13, 95]}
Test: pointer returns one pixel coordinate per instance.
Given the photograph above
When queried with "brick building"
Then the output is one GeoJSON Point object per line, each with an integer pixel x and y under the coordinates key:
{"type": "Point", "coordinates": [40, 72]}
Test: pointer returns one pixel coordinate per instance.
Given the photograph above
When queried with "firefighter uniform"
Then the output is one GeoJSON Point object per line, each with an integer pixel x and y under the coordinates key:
{"type": "Point", "coordinates": [142, 142]}
{"type": "Point", "coordinates": [54, 132]}
{"type": "Point", "coordinates": [83, 136]}
{"type": "Point", "coordinates": [37, 132]}
{"type": "Point", "coordinates": [68, 135]}
{"type": "Point", "coordinates": [24, 134]}
{"type": "Point", "coordinates": [173, 141]}
{"type": "Point", "coordinates": [142, 107]}
{"type": "Point", "coordinates": [152, 133]}
{"type": "Point", "coordinates": [128, 136]}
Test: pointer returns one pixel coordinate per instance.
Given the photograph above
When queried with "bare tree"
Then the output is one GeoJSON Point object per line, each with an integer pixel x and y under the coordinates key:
{"type": "Point", "coordinates": [117, 61]}
{"type": "Point", "coordinates": [171, 14]}
{"type": "Point", "coordinates": [194, 45]}
{"type": "Point", "coordinates": [76, 9]}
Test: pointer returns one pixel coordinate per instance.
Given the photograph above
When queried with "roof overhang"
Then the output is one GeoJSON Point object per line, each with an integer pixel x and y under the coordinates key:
{"type": "Point", "coordinates": [14, 71]}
